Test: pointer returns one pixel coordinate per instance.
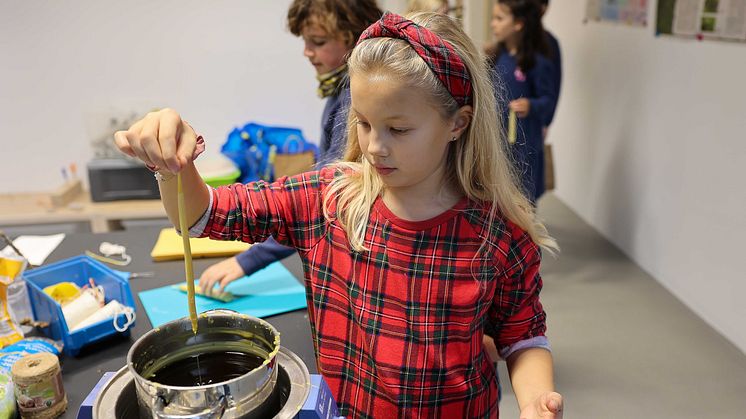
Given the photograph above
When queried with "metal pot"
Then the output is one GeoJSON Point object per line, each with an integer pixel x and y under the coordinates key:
{"type": "Point", "coordinates": [118, 399]}
{"type": "Point", "coordinates": [220, 333]}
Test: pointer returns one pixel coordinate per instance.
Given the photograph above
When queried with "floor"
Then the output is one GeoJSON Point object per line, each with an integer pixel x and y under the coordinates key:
{"type": "Point", "coordinates": [624, 347]}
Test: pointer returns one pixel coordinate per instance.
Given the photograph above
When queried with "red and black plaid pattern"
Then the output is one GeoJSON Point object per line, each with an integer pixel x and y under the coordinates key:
{"type": "Point", "coordinates": [398, 329]}
{"type": "Point", "coordinates": [437, 53]}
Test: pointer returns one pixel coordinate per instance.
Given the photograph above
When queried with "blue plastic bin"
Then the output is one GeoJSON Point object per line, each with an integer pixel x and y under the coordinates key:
{"type": "Point", "coordinates": [78, 270]}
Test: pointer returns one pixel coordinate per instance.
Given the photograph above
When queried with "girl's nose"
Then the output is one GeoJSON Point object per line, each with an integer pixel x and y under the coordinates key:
{"type": "Point", "coordinates": [377, 144]}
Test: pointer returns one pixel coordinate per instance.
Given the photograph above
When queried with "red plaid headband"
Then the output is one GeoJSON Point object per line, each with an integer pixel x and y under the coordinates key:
{"type": "Point", "coordinates": [437, 53]}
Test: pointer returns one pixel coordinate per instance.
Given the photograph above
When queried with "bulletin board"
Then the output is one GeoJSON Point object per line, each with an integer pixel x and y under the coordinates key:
{"type": "Point", "coordinates": [723, 20]}
{"type": "Point", "coordinates": [626, 12]}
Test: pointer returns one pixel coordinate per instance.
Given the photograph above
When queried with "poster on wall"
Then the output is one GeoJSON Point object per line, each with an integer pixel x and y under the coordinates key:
{"type": "Point", "coordinates": [628, 12]}
{"type": "Point", "coordinates": [703, 19]}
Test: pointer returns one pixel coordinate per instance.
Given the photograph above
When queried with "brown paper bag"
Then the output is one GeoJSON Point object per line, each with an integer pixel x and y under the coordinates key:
{"type": "Point", "coordinates": [548, 168]}
{"type": "Point", "coordinates": [292, 164]}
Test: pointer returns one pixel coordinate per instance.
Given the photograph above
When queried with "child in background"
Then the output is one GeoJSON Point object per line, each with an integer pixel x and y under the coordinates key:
{"type": "Point", "coordinates": [411, 245]}
{"type": "Point", "coordinates": [555, 54]}
{"type": "Point", "coordinates": [526, 77]}
{"type": "Point", "coordinates": [329, 29]}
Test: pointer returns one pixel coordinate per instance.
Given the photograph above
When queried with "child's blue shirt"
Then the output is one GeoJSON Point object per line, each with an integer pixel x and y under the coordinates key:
{"type": "Point", "coordinates": [538, 86]}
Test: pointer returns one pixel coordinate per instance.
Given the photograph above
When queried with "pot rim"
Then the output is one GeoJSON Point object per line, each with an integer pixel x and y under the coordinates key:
{"type": "Point", "coordinates": [216, 312]}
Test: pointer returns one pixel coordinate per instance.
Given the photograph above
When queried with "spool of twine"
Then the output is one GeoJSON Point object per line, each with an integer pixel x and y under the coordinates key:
{"type": "Point", "coordinates": [38, 386]}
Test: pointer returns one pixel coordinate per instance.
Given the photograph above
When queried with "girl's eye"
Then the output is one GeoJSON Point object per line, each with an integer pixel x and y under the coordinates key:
{"type": "Point", "coordinates": [318, 42]}
{"type": "Point", "coordinates": [399, 131]}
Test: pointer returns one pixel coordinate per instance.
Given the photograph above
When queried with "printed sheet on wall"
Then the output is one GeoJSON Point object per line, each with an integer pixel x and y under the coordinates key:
{"type": "Point", "coordinates": [723, 20]}
{"type": "Point", "coordinates": [626, 12]}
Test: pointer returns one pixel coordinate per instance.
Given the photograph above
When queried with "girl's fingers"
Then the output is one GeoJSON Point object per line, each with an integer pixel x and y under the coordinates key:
{"type": "Point", "coordinates": [136, 144]}
{"type": "Point", "coordinates": [134, 136]}
{"type": "Point", "coordinates": [160, 139]}
{"type": "Point", "coordinates": [554, 402]}
{"type": "Point", "coordinates": [150, 140]}
{"type": "Point", "coordinates": [187, 142]}
{"type": "Point", "coordinates": [169, 131]}
{"type": "Point", "coordinates": [123, 143]}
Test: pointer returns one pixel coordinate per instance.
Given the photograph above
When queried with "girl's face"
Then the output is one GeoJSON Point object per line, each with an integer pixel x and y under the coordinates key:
{"type": "Point", "coordinates": [503, 25]}
{"type": "Point", "coordinates": [324, 51]}
{"type": "Point", "coordinates": [401, 134]}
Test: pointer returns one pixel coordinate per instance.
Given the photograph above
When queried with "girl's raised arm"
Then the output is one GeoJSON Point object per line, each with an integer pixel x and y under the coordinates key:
{"type": "Point", "coordinates": [168, 145]}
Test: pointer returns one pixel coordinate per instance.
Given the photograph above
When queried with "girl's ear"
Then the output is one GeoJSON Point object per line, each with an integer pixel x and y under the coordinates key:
{"type": "Point", "coordinates": [461, 120]}
{"type": "Point", "coordinates": [518, 25]}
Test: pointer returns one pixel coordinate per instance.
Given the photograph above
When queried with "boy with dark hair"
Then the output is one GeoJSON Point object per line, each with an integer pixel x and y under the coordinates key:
{"type": "Point", "coordinates": [329, 29]}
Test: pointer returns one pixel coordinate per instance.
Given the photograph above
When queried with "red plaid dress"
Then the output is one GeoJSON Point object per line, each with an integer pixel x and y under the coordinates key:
{"type": "Point", "coordinates": [398, 330]}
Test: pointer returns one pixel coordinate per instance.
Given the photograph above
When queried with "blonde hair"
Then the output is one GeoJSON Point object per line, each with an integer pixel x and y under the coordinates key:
{"type": "Point", "coordinates": [414, 6]}
{"type": "Point", "coordinates": [477, 162]}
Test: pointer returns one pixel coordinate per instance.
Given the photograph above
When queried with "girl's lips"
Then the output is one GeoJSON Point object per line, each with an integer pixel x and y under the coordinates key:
{"type": "Point", "coordinates": [383, 171]}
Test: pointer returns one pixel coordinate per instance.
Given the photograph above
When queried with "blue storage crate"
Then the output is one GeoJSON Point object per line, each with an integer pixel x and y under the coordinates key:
{"type": "Point", "coordinates": [77, 269]}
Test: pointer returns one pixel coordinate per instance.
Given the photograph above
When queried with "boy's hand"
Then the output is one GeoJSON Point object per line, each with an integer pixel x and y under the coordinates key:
{"type": "Point", "coordinates": [162, 140]}
{"type": "Point", "coordinates": [222, 273]}
{"type": "Point", "coordinates": [548, 405]}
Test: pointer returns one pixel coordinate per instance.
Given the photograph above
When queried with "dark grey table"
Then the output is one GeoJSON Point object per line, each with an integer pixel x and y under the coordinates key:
{"type": "Point", "coordinates": [82, 372]}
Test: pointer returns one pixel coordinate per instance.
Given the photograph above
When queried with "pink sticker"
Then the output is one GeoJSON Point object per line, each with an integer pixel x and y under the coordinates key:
{"type": "Point", "coordinates": [519, 75]}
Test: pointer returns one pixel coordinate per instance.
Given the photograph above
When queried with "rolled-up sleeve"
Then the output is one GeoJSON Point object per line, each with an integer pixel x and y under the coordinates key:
{"type": "Point", "coordinates": [517, 318]}
{"type": "Point", "coordinates": [198, 227]}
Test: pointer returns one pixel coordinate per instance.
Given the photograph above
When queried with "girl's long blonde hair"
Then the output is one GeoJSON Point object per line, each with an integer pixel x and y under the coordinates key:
{"type": "Point", "coordinates": [477, 162]}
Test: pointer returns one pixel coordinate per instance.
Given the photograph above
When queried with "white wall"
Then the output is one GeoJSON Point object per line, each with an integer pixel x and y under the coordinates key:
{"type": "Point", "coordinates": [650, 139]}
{"type": "Point", "coordinates": [67, 66]}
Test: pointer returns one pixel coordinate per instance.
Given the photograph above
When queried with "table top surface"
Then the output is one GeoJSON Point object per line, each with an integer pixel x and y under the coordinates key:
{"type": "Point", "coordinates": [81, 373]}
{"type": "Point", "coordinates": [25, 208]}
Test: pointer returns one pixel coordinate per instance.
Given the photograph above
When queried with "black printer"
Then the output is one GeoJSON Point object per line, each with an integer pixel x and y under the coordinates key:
{"type": "Point", "coordinates": [119, 179]}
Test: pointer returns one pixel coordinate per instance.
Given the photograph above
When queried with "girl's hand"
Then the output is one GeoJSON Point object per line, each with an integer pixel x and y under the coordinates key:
{"type": "Point", "coordinates": [521, 107]}
{"type": "Point", "coordinates": [548, 405]}
{"type": "Point", "coordinates": [162, 140]}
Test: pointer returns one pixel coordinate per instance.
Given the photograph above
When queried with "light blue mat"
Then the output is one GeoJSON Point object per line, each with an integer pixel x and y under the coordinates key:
{"type": "Point", "coordinates": [273, 290]}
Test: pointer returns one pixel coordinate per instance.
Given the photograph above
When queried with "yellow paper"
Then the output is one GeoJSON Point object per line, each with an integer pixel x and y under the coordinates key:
{"type": "Point", "coordinates": [169, 247]}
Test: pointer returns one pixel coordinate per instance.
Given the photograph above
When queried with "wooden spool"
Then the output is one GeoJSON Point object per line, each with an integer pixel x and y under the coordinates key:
{"type": "Point", "coordinates": [38, 386]}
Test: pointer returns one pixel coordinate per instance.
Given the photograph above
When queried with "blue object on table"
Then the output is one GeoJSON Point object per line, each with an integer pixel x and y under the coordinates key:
{"type": "Point", "coordinates": [86, 408]}
{"type": "Point", "coordinates": [320, 404]}
{"type": "Point", "coordinates": [272, 290]}
{"type": "Point", "coordinates": [252, 146]}
{"type": "Point", "coordinates": [78, 269]}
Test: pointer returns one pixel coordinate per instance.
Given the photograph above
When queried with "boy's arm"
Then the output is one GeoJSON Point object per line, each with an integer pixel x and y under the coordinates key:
{"type": "Point", "coordinates": [262, 254]}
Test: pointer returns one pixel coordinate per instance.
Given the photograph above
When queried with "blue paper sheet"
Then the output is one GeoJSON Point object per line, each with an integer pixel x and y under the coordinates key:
{"type": "Point", "coordinates": [273, 290]}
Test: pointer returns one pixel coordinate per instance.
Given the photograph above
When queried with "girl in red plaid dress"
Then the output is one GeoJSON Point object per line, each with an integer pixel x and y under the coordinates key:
{"type": "Point", "coordinates": [413, 245]}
